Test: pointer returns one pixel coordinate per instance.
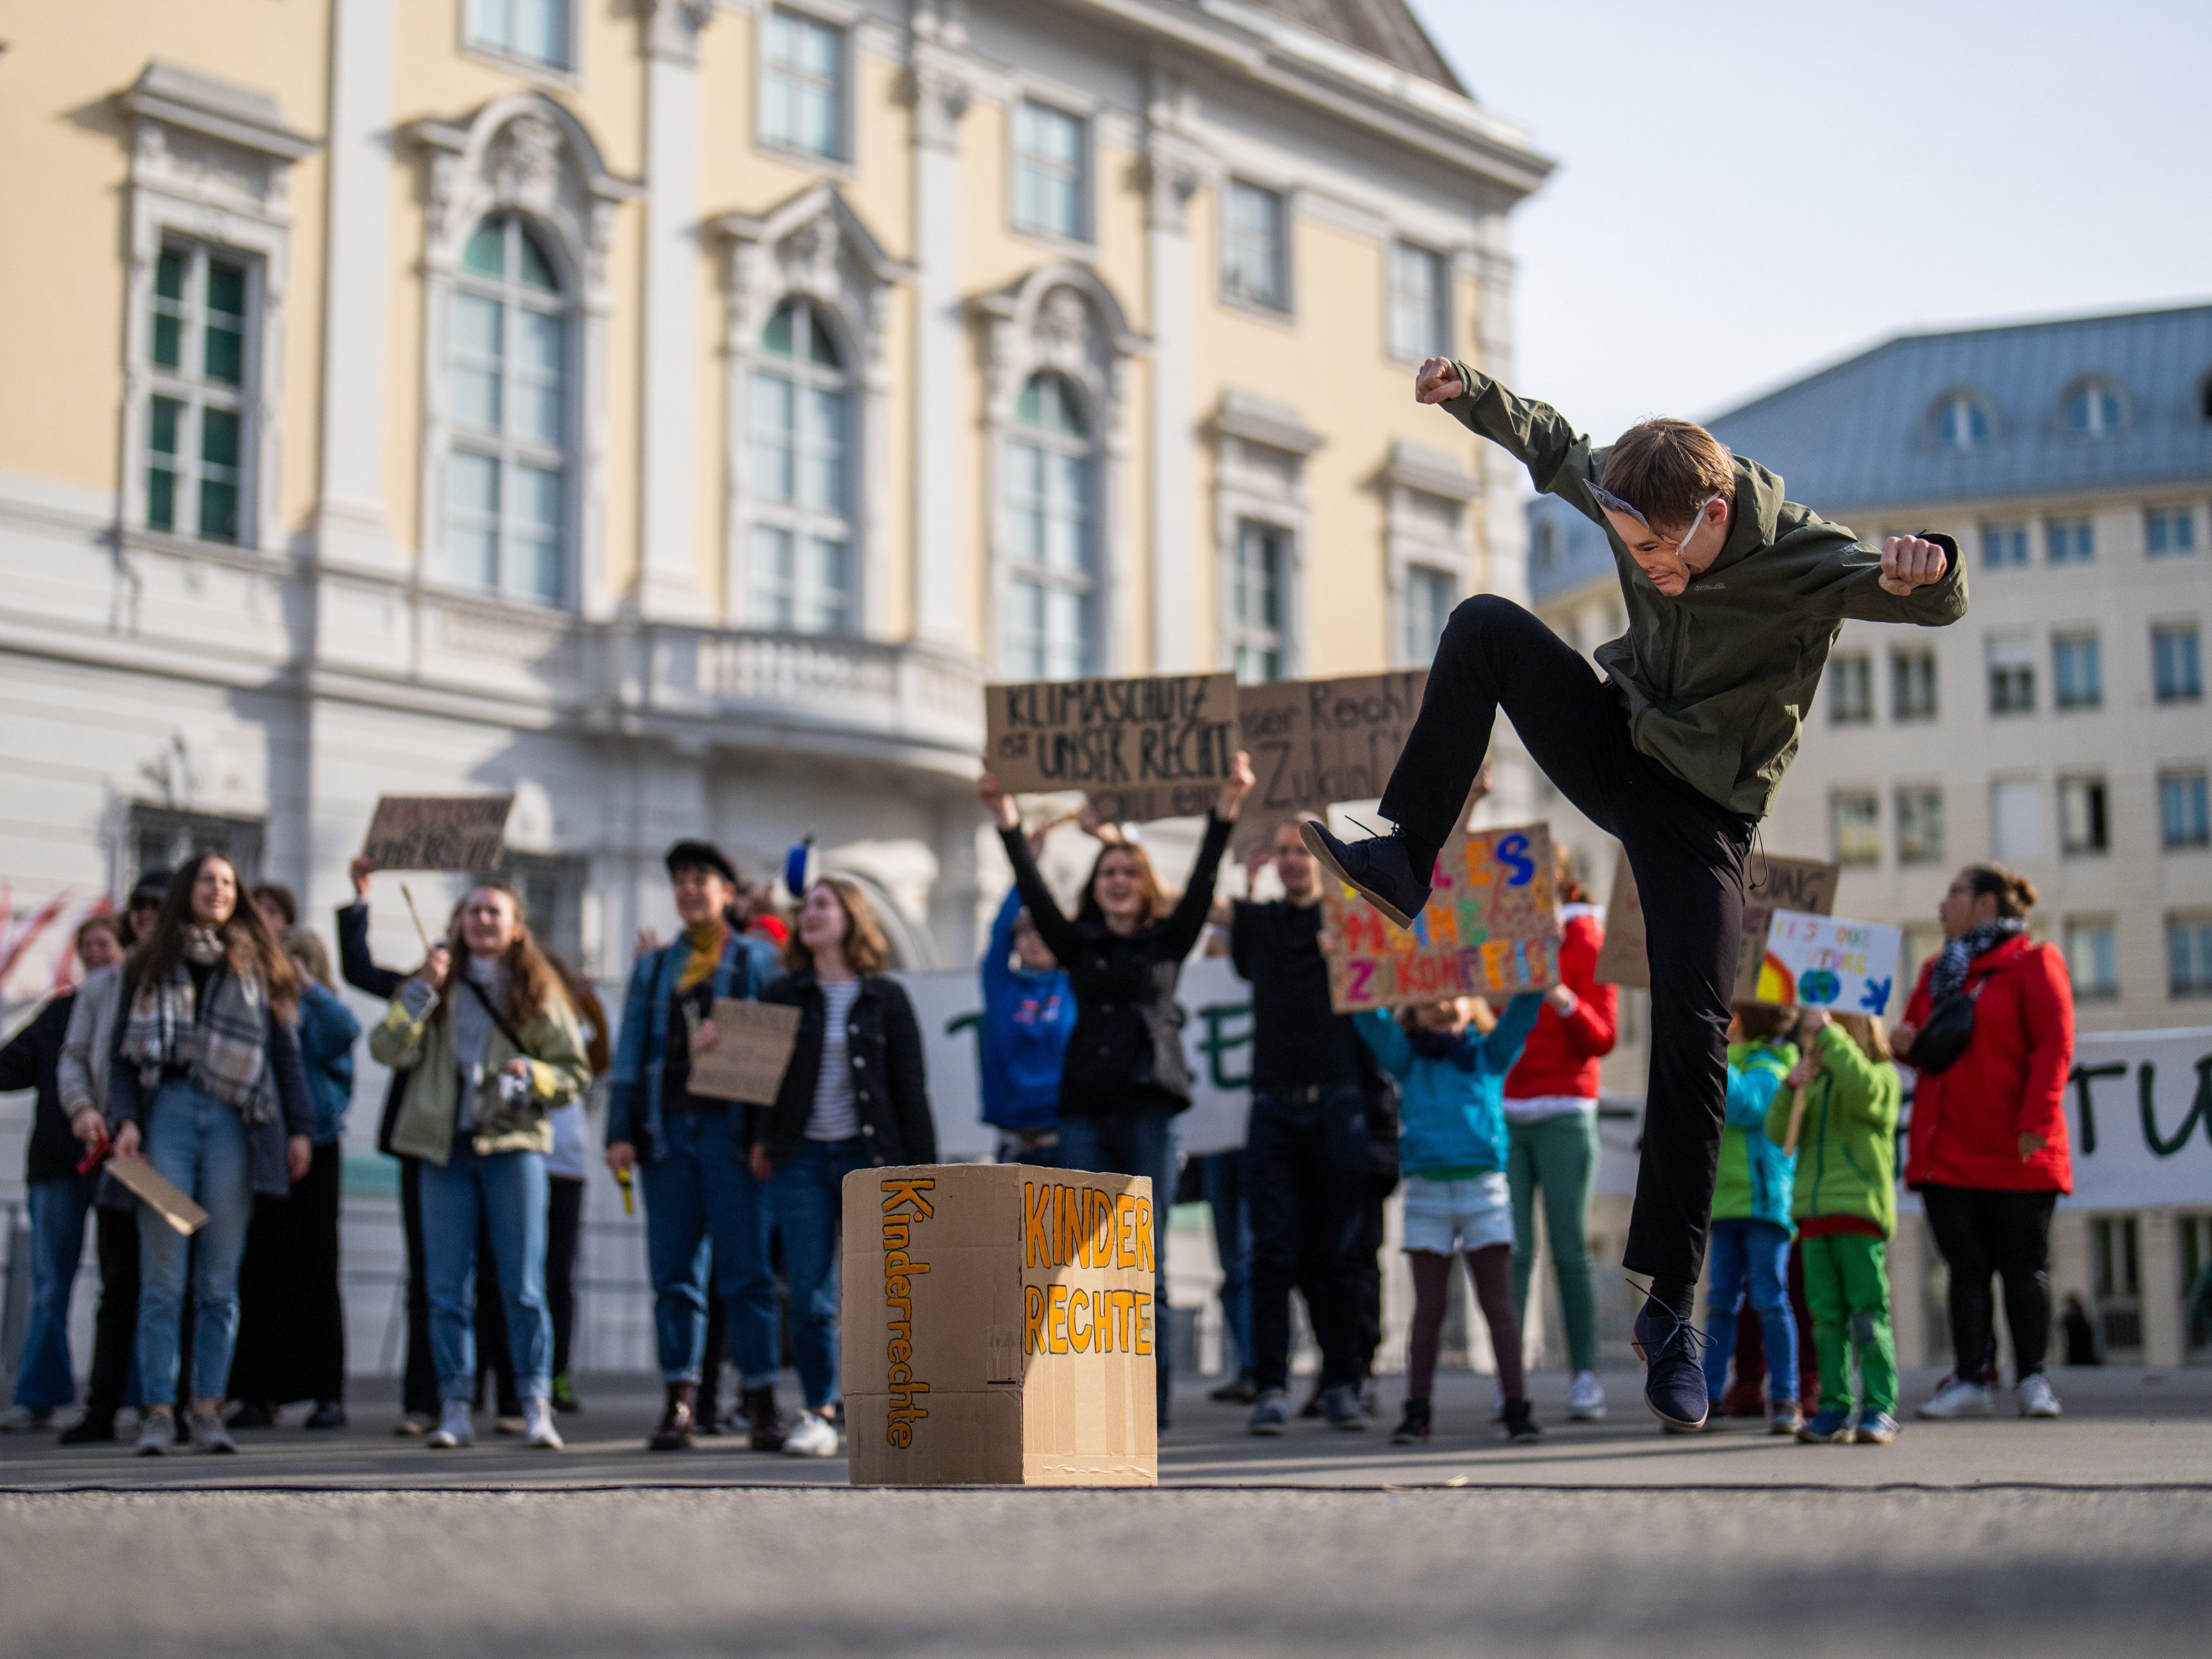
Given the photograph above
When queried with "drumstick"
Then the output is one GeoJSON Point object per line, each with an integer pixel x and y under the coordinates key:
{"type": "Point", "coordinates": [1796, 1122]}
{"type": "Point", "coordinates": [420, 932]}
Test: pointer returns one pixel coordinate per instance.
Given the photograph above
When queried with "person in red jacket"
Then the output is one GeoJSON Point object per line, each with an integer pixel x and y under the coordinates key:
{"type": "Point", "coordinates": [1551, 1122]}
{"type": "Point", "coordinates": [1987, 1149]}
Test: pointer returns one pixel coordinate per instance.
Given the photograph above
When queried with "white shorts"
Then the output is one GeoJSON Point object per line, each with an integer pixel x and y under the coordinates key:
{"type": "Point", "coordinates": [1445, 1216]}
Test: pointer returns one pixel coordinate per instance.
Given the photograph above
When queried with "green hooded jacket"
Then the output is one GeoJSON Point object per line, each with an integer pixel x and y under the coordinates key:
{"type": "Point", "coordinates": [1717, 682]}
{"type": "Point", "coordinates": [1847, 1146]}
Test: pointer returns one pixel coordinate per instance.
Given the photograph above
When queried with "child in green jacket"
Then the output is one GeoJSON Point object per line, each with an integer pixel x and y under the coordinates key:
{"type": "Point", "coordinates": [1845, 1206]}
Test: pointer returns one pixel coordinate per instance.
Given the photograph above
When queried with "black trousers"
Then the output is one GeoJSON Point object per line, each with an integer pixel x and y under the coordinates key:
{"type": "Point", "coordinates": [1982, 1232]}
{"type": "Point", "coordinates": [1687, 852]}
{"type": "Point", "coordinates": [1305, 1181]}
{"type": "Point", "coordinates": [291, 1312]}
{"type": "Point", "coordinates": [564, 1227]}
{"type": "Point", "coordinates": [115, 1326]}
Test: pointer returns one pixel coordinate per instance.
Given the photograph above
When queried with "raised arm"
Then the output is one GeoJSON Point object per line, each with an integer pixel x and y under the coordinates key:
{"type": "Point", "coordinates": [1180, 936]}
{"type": "Point", "coordinates": [1559, 460]}
{"type": "Point", "coordinates": [1386, 1039]}
{"type": "Point", "coordinates": [1503, 1046]}
{"type": "Point", "coordinates": [1058, 932]}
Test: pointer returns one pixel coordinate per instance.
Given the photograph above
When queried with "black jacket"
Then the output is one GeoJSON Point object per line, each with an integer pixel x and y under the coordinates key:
{"type": "Point", "coordinates": [890, 1086]}
{"type": "Point", "coordinates": [1127, 1041]}
{"type": "Point", "coordinates": [28, 1062]}
{"type": "Point", "coordinates": [359, 969]}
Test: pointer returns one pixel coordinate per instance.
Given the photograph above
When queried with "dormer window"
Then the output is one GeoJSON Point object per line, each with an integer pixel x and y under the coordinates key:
{"type": "Point", "coordinates": [1962, 422]}
{"type": "Point", "coordinates": [2094, 409]}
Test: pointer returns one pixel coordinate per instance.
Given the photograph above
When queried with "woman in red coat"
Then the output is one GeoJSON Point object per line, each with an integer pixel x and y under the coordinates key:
{"type": "Point", "coordinates": [1987, 1149]}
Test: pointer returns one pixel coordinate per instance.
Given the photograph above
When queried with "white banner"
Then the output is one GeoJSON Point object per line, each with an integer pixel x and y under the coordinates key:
{"type": "Point", "coordinates": [2139, 1111]}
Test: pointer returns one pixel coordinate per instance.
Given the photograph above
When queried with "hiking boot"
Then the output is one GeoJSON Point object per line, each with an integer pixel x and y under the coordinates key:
{"type": "Point", "coordinates": [455, 1428]}
{"type": "Point", "coordinates": [1380, 870]}
{"type": "Point", "coordinates": [1271, 1413]}
{"type": "Point", "coordinates": [327, 1414]}
{"type": "Point", "coordinates": [1339, 1404]}
{"type": "Point", "coordinates": [1412, 1428]}
{"type": "Point", "coordinates": [1831, 1427]}
{"type": "Point", "coordinates": [1785, 1419]}
{"type": "Point", "coordinates": [1674, 1379]}
{"type": "Point", "coordinates": [92, 1429]}
{"type": "Point", "coordinates": [537, 1431]}
{"type": "Point", "coordinates": [252, 1414]}
{"type": "Point", "coordinates": [1957, 1399]}
{"type": "Point", "coordinates": [766, 1420]}
{"type": "Point", "coordinates": [209, 1434]}
{"type": "Point", "coordinates": [1877, 1430]}
{"type": "Point", "coordinates": [674, 1432]}
{"type": "Point", "coordinates": [2036, 1399]}
{"type": "Point", "coordinates": [1239, 1390]}
{"type": "Point", "coordinates": [1520, 1421]}
{"type": "Point", "coordinates": [1585, 1398]}
{"type": "Point", "coordinates": [565, 1396]}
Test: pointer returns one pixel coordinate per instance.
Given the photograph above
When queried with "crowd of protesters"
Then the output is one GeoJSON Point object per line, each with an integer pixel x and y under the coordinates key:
{"type": "Point", "coordinates": [207, 1038]}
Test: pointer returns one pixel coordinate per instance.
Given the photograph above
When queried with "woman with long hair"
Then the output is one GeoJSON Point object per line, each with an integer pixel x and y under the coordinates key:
{"type": "Point", "coordinates": [855, 1095]}
{"type": "Point", "coordinates": [1989, 1031]}
{"type": "Point", "coordinates": [491, 1047]}
{"type": "Point", "coordinates": [207, 1085]}
{"type": "Point", "coordinates": [1126, 1078]}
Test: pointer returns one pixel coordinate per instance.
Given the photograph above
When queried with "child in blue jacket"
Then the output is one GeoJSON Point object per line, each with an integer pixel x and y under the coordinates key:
{"type": "Point", "coordinates": [1747, 1259]}
{"type": "Point", "coordinates": [1452, 1146]}
{"type": "Point", "coordinates": [1028, 1012]}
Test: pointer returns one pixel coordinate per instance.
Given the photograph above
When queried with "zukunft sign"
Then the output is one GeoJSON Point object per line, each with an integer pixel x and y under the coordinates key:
{"type": "Point", "coordinates": [1826, 962]}
{"type": "Point", "coordinates": [2139, 1111]}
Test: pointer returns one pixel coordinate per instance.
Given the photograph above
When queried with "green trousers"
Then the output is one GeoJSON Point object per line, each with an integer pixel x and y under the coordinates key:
{"type": "Point", "coordinates": [1847, 1289]}
{"type": "Point", "coordinates": [1558, 1155]}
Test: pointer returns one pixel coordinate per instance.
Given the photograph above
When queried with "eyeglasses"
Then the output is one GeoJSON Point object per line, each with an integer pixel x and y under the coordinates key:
{"type": "Point", "coordinates": [1612, 503]}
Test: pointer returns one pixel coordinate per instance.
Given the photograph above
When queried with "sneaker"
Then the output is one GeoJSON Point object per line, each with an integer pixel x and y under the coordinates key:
{"type": "Point", "coordinates": [252, 1414]}
{"type": "Point", "coordinates": [565, 1396]}
{"type": "Point", "coordinates": [1238, 1390]}
{"type": "Point", "coordinates": [765, 1419]}
{"type": "Point", "coordinates": [27, 1419]}
{"type": "Point", "coordinates": [1312, 1407]}
{"type": "Point", "coordinates": [509, 1423]}
{"type": "Point", "coordinates": [415, 1426]}
{"type": "Point", "coordinates": [1957, 1399]}
{"type": "Point", "coordinates": [1271, 1413]}
{"type": "Point", "coordinates": [1831, 1427]}
{"type": "Point", "coordinates": [1785, 1419]}
{"type": "Point", "coordinates": [92, 1429]}
{"type": "Point", "coordinates": [1412, 1428]}
{"type": "Point", "coordinates": [812, 1435]}
{"type": "Point", "coordinates": [1380, 870]}
{"type": "Point", "coordinates": [1520, 1421]}
{"type": "Point", "coordinates": [455, 1428]}
{"type": "Point", "coordinates": [1497, 1401]}
{"type": "Point", "coordinates": [538, 1430]}
{"type": "Point", "coordinates": [2036, 1399]}
{"type": "Point", "coordinates": [327, 1414]}
{"type": "Point", "coordinates": [1585, 1398]}
{"type": "Point", "coordinates": [1673, 1378]}
{"type": "Point", "coordinates": [1877, 1430]}
{"type": "Point", "coordinates": [209, 1434]}
{"type": "Point", "coordinates": [1340, 1405]}
{"type": "Point", "coordinates": [157, 1433]}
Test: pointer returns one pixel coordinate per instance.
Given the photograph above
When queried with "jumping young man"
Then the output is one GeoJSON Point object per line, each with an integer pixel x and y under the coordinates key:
{"type": "Point", "coordinates": [1735, 596]}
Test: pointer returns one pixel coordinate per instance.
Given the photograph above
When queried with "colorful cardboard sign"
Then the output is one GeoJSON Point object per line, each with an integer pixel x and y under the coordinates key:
{"type": "Point", "coordinates": [1492, 928]}
{"type": "Point", "coordinates": [1156, 747]}
{"type": "Point", "coordinates": [1826, 961]}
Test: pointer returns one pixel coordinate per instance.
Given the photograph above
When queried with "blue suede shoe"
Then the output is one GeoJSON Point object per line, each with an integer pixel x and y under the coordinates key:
{"type": "Point", "coordinates": [1831, 1427]}
{"type": "Point", "coordinates": [1674, 1375]}
{"type": "Point", "coordinates": [1380, 870]}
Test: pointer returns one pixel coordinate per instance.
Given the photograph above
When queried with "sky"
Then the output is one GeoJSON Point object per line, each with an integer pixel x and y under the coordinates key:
{"type": "Point", "coordinates": [1747, 192]}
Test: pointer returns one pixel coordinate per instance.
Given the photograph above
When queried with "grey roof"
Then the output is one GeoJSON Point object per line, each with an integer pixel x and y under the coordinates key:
{"type": "Point", "coordinates": [1862, 433]}
{"type": "Point", "coordinates": [1381, 28]}
{"type": "Point", "coordinates": [1566, 549]}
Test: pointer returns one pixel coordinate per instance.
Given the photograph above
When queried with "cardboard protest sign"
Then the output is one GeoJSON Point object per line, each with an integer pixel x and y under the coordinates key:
{"type": "Point", "coordinates": [1316, 742]}
{"type": "Point", "coordinates": [1621, 958]}
{"type": "Point", "coordinates": [1769, 883]}
{"type": "Point", "coordinates": [753, 1043]}
{"type": "Point", "coordinates": [159, 1194]}
{"type": "Point", "coordinates": [1490, 928]}
{"type": "Point", "coordinates": [1142, 749]}
{"type": "Point", "coordinates": [1819, 962]}
{"type": "Point", "coordinates": [998, 1326]}
{"type": "Point", "coordinates": [439, 832]}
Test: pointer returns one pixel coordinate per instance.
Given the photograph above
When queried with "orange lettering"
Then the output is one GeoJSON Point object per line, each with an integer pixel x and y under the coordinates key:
{"type": "Point", "coordinates": [1080, 1340]}
{"type": "Point", "coordinates": [1037, 1224]}
{"type": "Point", "coordinates": [1033, 1306]}
{"type": "Point", "coordinates": [1144, 1236]}
{"type": "Point", "coordinates": [1056, 1319]}
{"type": "Point", "coordinates": [1124, 1227]}
{"type": "Point", "coordinates": [1144, 1321]}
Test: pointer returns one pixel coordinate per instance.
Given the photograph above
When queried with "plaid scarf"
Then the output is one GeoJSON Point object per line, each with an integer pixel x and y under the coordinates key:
{"type": "Point", "coordinates": [223, 1048]}
{"type": "Point", "coordinates": [1951, 966]}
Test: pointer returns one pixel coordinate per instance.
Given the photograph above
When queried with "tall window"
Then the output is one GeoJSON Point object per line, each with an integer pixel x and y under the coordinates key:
{"type": "Point", "coordinates": [196, 424]}
{"type": "Point", "coordinates": [1430, 595]}
{"type": "Point", "coordinates": [536, 31]}
{"type": "Point", "coordinates": [1051, 172]}
{"type": "Point", "coordinates": [1258, 581]}
{"type": "Point", "coordinates": [2177, 663]}
{"type": "Point", "coordinates": [2094, 411]}
{"type": "Point", "coordinates": [2169, 530]}
{"type": "Point", "coordinates": [162, 838]}
{"type": "Point", "coordinates": [2092, 958]}
{"type": "Point", "coordinates": [1850, 690]}
{"type": "Point", "coordinates": [506, 475]}
{"type": "Point", "coordinates": [803, 85]}
{"type": "Point", "coordinates": [2071, 541]}
{"type": "Point", "coordinates": [2077, 672]}
{"type": "Point", "coordinates": [2015, 820]}
{"type": "Point", "coordinates": [1254, 263]}
{"type": "Point", "coordinates": [2185, 815]}
{"type": "Point", "coordinates": [2189, 954]}
{"type": "Point", "coordinates": [2012, 676]}
{"type": "Point", "coordinates": [2004, 546]}
{"type": "Point", "coordinates": [2081, 817]}
{"type": "Point", "coordinates": [1420, 323]}
{"type": "Point", "coordinates": [1919, 825]}
{"type": "Point", "coordinates": [1051, 632]}
{"type": "Point", "coordinates": [1962, 422]}
{"type": "Point", "coordinates": [1854, 826]}
{"type": "Point", "coordinates": [1912, 685]}
{"type": "Point", "coordinates": [801, 551]}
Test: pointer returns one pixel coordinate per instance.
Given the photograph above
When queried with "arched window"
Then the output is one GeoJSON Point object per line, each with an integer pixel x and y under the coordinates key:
{"type": "Point", "coordinates": [507, 470]}
{"type": "Point", "coordinates": [1962, 422]}
{"type": "Point", "coordinates": [801, 554]}
{"type": "Point", "coordinates": [2094, 409]}
{"type": "Point", "coordinates": [1048, 503]}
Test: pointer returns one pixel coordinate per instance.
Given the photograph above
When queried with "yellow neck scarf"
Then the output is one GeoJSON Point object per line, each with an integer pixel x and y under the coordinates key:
{"type": "Point", "coordinates": [707, 940]}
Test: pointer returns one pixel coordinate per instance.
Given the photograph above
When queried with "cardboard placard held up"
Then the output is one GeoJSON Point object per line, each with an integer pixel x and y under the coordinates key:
{"type": "Point", "coordinates": [1769, 883]}
{"type": "Point", "coordinates": [159, 1194]}
{"type": "Point", "coordinates": [439, 832]}
{"type": "Point", "coordinates": [1492, 927]}
{"type": "Point", "coordinates": [1819, 962]}
{"type": "Point", "coordinates": [998, 1327]}
{"type": "Point", "coordinates": [1141, 749]}
{"type": "Point", "coordinates": [1621, 958]}
{"type": "Point", "coordinates": [753, 1043]}
{"type": "Point", "coordinates": [1317, 742]}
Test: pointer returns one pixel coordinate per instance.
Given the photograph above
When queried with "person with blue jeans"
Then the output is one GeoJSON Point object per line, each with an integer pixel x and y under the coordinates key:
{"type": "Point", "coordinates": [1127, 1077]}
{"type": "Point", "coordinates": [854, 1096]}
{"type": "Point", "coordinates": [206, 1084]}
{"type": "Point", "coordinates": [1748, 1257]}
{"type": "Point", "coordinates": [702, 1207]}
{"type": "Point", "coordinates": [1029, 1011]}
{"type": "Point", "coordinates": [490, 1047]}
